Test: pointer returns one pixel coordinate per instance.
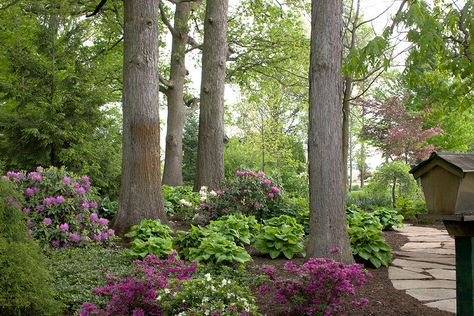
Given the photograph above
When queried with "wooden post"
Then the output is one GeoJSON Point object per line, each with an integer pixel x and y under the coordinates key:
{"type": "Point", "coordinates": [464, 275]}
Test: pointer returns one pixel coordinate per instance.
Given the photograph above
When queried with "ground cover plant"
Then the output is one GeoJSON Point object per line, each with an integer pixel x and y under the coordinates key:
{"type": "Point", "coordinates": [150, 237]}
{"type": "Point", "coordinates": [61, 208]}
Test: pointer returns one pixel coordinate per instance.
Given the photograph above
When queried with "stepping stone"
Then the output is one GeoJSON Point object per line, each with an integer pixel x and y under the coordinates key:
{"type": "Point", "coordinates": [443, 274]}
{"type": "Point", "coordinates": [424, 257]}
{"type": "Point", "coordinates": [422, 265]}
{"type": "Point", "coordinates": [439, 238]}
{"type": "Point", "coordinates": [420, 245]}
{"type": "Point", "coordinates": [421, 255]}
{"type": "Point", "coordinates": [423, 284]}
{"type": "Point", "coordinates": [401, 274]}
{"type": "Point", "coordinates": [439, 251]}
{"type": "Point", "coordinates": [418, 270]}
{"type": "Point", "coordinates": [432, 294]}
{"type": "Point", "coordinates": [445, 305]}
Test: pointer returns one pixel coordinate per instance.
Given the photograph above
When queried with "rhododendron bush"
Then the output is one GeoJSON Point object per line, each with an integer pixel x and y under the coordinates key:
{"type": "Point", "coordinates": [60, 208]}
{"type": "Point", "coordinates": [250, 193]}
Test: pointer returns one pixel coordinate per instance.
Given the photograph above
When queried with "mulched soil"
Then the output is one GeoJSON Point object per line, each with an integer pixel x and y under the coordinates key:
{"type": "Point", "coordinates": [384, 299]}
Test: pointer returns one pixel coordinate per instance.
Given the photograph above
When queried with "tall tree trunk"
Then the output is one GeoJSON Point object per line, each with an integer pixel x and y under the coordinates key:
{"type": "Point", "coordinates": [328, 227]}
{"type": "Point", "coordinates": [173, 169]}
{"type": "Point", "coordinates": [140, 191]}
{"type": "Point", "coordinates": [346, 104]}
{"type": "Point", "coordinates": [210, 165]}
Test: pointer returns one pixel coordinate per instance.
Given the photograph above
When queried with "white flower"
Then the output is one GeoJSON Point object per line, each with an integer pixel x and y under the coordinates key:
{"type": "Point", "coordinates": [206, 312]}
{"type": "Point", "coordinates": [158, 298]}
{"type": "Point", "coordinates": [213, 288]}
{"type": "Point", "coordinates": [213, 193]}
{"type": "Point", "coordinates": [207, 276]}
{"type": "Point", "coordinates": [205, 299]}
{"type": "Point", "coordinates": [224, 282]}
{"type": "Point", "coordinates": [167, 291]}
{"type": "Point", "coordinates": [185, 203]}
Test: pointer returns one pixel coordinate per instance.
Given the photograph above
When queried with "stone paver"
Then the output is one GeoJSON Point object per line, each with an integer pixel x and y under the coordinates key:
{"type": "Point", "coordinates": [425, 267]}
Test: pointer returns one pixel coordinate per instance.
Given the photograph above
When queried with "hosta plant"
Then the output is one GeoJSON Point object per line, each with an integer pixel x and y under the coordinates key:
{"type": "Point", "coordinates": [60, 208]}
{"type": "Point", "coordinates": [239, 228]}
{"type": "Point", "coordinates": [218, 249]}
{"type": "Point", "coordinates": [367, 241]}
{"type": "Point", "coordinates": [281, 236]}
{"type": "Point", "coordinates": [389, 218]}
{"type": "Point", "coordinates": [150, 237]}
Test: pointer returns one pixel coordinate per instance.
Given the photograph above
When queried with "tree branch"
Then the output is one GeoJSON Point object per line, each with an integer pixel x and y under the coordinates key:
{"type": "Point", "coordinates": [97, 9]}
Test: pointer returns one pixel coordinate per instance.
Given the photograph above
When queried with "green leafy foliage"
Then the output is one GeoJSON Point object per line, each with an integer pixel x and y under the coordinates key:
{"type": "Point", "coordinates": [367, 241]}
{"type": "Point", "coordinates": [24, 279]}
{"type": "Point", "coordinates": [208, 295]}
{"type": "Point", "coordinates": [150, 237]}
{"type": "Point", "coordinates": [389, 218]}
{"type": "Point", "coordinates": [411, 208]}
{"type": "Point", "coordinates": [218, 249]}
{"type": "Point", "coordinates": [238, 228]}
{"type": "Point", "coordinates": [76, 271]}
{"type": "Point", "coordinates": [180, 202]}
{"type": "Point", "coordinates": [281, 235]}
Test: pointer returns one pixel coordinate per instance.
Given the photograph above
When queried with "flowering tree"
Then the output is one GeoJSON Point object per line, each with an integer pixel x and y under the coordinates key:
{"type": "Point", "coordinates": [399, 133]}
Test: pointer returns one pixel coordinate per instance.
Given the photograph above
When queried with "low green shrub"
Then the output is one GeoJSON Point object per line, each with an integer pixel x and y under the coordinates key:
{"type": "Point", "coordinates": [218, 249]}
{"type": "Point", "coordinates": [281, 235]}
{"type": "Point", "coordinates": [150, 237]}
{"type": "Point", "coordinates": [389, 218]}
{"type": "Point", "coordinates": [76, 271]}
{"type": "Point", "coordinates": [367, 241]}
{"type": "Point", "coordinates": [186, 240]}
{"type": "Point", "coordinates": [366, 201]}
{"type": "Point", "coordinates": [411, 208]}
{"type": "Point", "coordinates": [181, 202]}
{"type": "Point", "coordinates": [24, 280]}
{"type": "Point", "coordinates": [207, 295]}
{"type": "Point", "coordinates": [239, 228]}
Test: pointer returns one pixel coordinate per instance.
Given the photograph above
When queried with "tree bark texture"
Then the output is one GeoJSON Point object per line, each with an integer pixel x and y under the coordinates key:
{"type": "Point", "coordinates": [173, 171]}
{"type": "Point", "coordinates": [328, 227]}
{"type": "Point", "coordinates": [140, 191]}
{"type": "Point", "coordinates": [210, 160]}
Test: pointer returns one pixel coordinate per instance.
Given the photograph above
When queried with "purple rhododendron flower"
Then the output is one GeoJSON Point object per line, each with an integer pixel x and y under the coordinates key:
{"type": "Point", "coordinates": [64, 227]}
{"type": "Point", "coordinates": [94, 217]}
{"type": "Point", "coordinates": [85, 205]}
{"type": "Point", "coordinates": [55, 243]}
{"type": "Point", "coordinates": [276, 190]}
{"type": "Point", "coordinates": [75, 237]}
{"type": "Point", "coordinates": [67, 180]}
{"type": "Point", "coordinates": [104, 236]}
{"type": "Point", "coordinates": [47, 221]}
{"type": "Point", "coordinates": [93, 204]}
{"type": "Point", "coordinates": [85, 179]}
{"type": "Point", "coordinates": [80, 190]}
{"type": "Point", "coordinates": [39, 208]}
{"type": "Point", "coordinates": [266, 182]}
{"type": "Point", "coordinates": [26, 210]}
{"type": "Point", "coordinates": [256, 204]}
{"type": "Point", "coordinates": [60, 199]}
{"type": "Point", "coordinates": [36, 190]}
{"type": "Point", "coordinates": [30, 233]}
{"type": "Point", "coordinates": [240, 173]}
{"type": "Point", "coordinates": [260, 174]}
{"type": "Point", "coordinates": [76, 185]}
{"type": "Point", "coordinates": [49, 200]}
{"type": "Point", "coordinates": [29, 192]}
{"type": "Point", "coordinates": [270, 195]}
{"type": "Point", "coordinates": [96, 237]}
{"type": "Point", "coordinates": [39, 169]}
{"type": "Point", "coordinates": [103, 221]}
{"type": "Point", "coordinates": [111, 232]}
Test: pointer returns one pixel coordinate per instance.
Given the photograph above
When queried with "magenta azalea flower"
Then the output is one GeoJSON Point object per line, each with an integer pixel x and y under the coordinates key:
{"type": "Point", "coordinates": [266, 182]}
{"type": "Point", "coordinates": [276, 190]}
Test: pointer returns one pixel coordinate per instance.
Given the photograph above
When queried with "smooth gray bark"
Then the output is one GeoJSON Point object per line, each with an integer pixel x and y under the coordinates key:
{"type": "Point", "coordinates": [140, 191]}
{"type": "Point", "coordinates": [210, 160]}
{"type": "Point", "coordinates": [173, 169]}
{"type": "Point", "coordinates": [328, 227]}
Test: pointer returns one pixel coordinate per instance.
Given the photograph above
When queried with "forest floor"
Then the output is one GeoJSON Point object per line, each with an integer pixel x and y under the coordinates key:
{"type": "Point", "coordinates": [384, 299]}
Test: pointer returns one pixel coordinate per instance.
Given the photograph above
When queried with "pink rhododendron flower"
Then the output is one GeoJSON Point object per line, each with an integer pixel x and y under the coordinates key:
{"type": "Point", "coordinates": [111, 232]}
{"type": "Point", "coordinates": [93, 204]}
{"type": "Point", "coordinates": [75, 237]}
{"type": "Point", "coordinates": [39, 208]}
{"type": "Point", "coordinates": [47, 221]}
{"type": "Point", "coordinates": [55, 243]}
{"type": "Point", "coordinates": [67, 180]}
{"type": "Point", "coordinates": [240, 173]}
{"type": "Point", "coordinates": [64, 227]}
{"type": "Point", "coordinates": [260, 174]}
{"type": "Point", "coordinates": [26, 210]}
{"type": "Point", "coordinates": [276, 190]}
{"type": "Point", "coordinates": [270, 195]}
{"type": "Point", "coordinates": [29, 192]}
{"type": "Point", "coordinates": [103, 221]}
{"type": "Point", "coordinates": [85, 205]}
{"type": "Point", "coordinates": [39, 169]}
{"type": "Point", "coordinates": [80, 190]}
{"type": "Point", "coordinates": [60, 199]}
{"type": "Point", "coordinates": [266, 182]}
{"type": "Point", "coordinates": [94, 217]}
{"type": "Point", "coordinates": [85, 179]}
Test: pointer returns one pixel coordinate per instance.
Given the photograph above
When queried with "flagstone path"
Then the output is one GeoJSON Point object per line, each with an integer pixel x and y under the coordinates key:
{"type": "Point", "coordinates": [425, 267]}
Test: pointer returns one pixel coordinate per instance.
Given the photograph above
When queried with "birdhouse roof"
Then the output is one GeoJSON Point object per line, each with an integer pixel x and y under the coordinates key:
{"type": "Point", "coordinates": [456, 163]}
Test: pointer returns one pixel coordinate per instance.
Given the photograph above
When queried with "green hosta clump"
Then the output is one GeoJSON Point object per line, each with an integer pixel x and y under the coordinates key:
{"type": "Point", "coordinates": [150, 237]}
{"type": "Point", "coordinates": [207, 295]}
{"type": "Point", "coordinates": [367, 241]}
{"type": "Point", "coordinates": [218, 249]}
{"type": "Point", "coordinates": [181, 202]}
{"type": "Point", "coordinates": [389, 218]}
{"type": "Point", "coordinates": [281, 235]}
{"type": "Point", "coordinates": [241, 229]}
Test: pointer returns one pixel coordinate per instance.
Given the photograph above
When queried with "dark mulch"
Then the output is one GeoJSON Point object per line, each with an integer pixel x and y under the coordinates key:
{"type": "Point", "coordinates": [384, 299]}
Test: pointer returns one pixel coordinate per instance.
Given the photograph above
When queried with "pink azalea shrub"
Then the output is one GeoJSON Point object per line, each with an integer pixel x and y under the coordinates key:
{"type": "Point", "coordinates": [320, 286]}
{"type": "Point", "coordinates": [137, 293]}
{"type": "Point", "coordinates": [60, 207]}
{"type": "Point", "coordinates": [250, 193]}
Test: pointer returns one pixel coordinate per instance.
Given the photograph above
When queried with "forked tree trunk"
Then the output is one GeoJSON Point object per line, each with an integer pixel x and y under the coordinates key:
{"type": "Point", "coordinates": [328, 227]}
{"type": "Point", "coordinates": [140, 191]}
{"type": "Point", "coordinates": [173, 169]}
{"type": "Point", "coordinates": [210, 165]}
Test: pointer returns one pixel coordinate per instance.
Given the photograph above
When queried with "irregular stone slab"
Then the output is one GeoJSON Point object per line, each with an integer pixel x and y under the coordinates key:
{"type": "Point", "coordinates": [426, 257]}
{"type": "Point", "coordinates": [445, 305]}
{"type": "Point", "coordinates": [413, 269]}
{"type": "Point", "coordinates": [420, 245]}
{"type": "Point", "coordinates": [423, 284]}
{"type": "Point", "coordinates": [432, 294]}
{"type": "Point", "coordinates": [442, 274]}
{"type": "Point", "coordinates": [418, 264]}
{"type": "Point", "coordinates": [401, 274]}
{"type": "Point", "coordinates": [434, 238]}
{"type": "Point", "coordinates": [439, 251]}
